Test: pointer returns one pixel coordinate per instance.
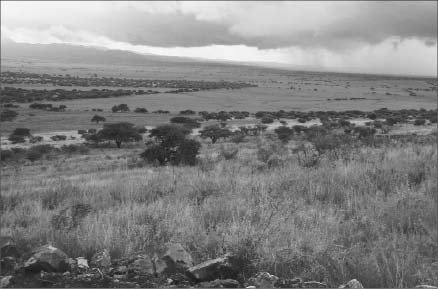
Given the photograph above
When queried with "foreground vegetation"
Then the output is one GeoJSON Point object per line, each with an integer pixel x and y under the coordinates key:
{"type": "Point", "coordinates": [364, 209]}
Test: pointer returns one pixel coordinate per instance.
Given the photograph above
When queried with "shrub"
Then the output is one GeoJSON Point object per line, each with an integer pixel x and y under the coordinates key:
{"type": "Point", "coordinates": [186, 152]}
{"type": "Point", "coordinates": [228, 152]}
{"type": "Point", "coordinates": [302, 120]}
{"type": "Point", "coordinates": [6, 155]}
{"type": "Point", "coordinates": [284, 133]}
{"type": "Point", "coordinates": [58, 137]}
{"type": "Point", "coordinates": [22, 132]}
{"type": "Point", "coordinates": [419, 121]}
{"type": "Point", "coordinates": [267, 119]}
{"type": "Point", "coordinates": [35, 139]}
{"type": "Point", "coordinates": [214, 132]}
{"type": "Point", "coordinates": [16, 139]}
{"type": "Point", "coordinates": [97, 118]}
{"type": "Point", "coordinates": [120, 108]}
{"type": "Point", "coordinates": [141, 110]}
{"type": "Point", "coordinates": [187, 112]}
{"type": "Point", "coordinates": [185, 121]}
{"type": "Point", "coordinates": [8, 115]}
{"type": "Point", "coordinates": [34, 155]}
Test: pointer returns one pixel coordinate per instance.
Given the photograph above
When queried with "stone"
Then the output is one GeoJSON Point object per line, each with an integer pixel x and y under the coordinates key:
{"type": "Point", "coordinates": [101, 259]}
{"type": "Point", "coordinates": [82, 263]}
{"type": "Point", "coordinates": [176, 259]}
{"type": "Point", "coordinates": [353, 283]}
{"type": "Point", "coordinates": [219, 268]}
{"type": "Point", "coordinates": [6, 281]}
{"type": "Point", "coordinates": [315, 284]}
{"type": "Point", "coordinates": [8, 248]}
{"type": "Point", "coordinates": [263, 280]}
{"type": "Point", "coordinates": [218, 283]}
{"type": "Point", "coordinates": [289, 283]}
{"type": "Point", "coordinates": [47, 258]}
{"type": "Point", "coordinates": [142, 265]}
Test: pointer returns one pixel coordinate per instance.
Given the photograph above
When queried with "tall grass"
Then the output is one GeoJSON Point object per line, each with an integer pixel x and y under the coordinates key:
{"type": "Point", "coordinates": [371, 215]}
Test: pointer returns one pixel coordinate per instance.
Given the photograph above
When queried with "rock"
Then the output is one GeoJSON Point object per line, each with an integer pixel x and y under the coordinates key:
{"type": "Point", "coordinates": [142, 265]}
{"type": "Point", "coordinates": [314, 284]}
{"type": "Point", "coordinates": [218, 283]}
{"type": "Point", "coordinates": [426, 286]}
{"type": "Point", "coordinates": [6, 281]}
{"type": "Point", "coordinates": [219, 268]}
{"type": "Point", "coordinates": [47, 258]}
{"type": "Point", "coordinates": [264, 280]}
{"type": "Point", "coordinates": [101, 259]}
{"type": "Point", "coordinates": [353, 283]}
{"type": "Point", "coordinates": [176, 259]}
{"type": "Point", "coordinates": [289, 283]}
{"type": "Point", "coordinates": [250, 287]}
{"type": "Point", "coordinates": [82, 263]}
{"type": "Point", "coordinates": [8, 248]}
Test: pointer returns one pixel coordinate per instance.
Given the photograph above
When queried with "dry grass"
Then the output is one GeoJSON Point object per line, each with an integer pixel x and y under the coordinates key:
{"type": "Point", "coordinates": [369, 215]}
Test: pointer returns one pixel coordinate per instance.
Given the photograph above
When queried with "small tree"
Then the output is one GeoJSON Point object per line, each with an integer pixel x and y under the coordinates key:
{"type": "Point", "coordinates": [22, 132]}
{"type": "Point", "coordinates": [284, 133]}
{"type": "Point", "coordinates": [97, 118]}
{"type": "Point", "coordinates": [119, 132]}
{"type": "Point", "coordinates": [121, 107]}
{"type": "Point", "coordinates": [214, 132]}
{"type": "Point", "coordinates": [171, 146]}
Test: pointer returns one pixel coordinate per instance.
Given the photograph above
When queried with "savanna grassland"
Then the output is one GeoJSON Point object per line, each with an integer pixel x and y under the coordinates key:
{"type": "Point", "coordinates": [330, 208]}
{"type": "Point", "coordinates": [367, 212]}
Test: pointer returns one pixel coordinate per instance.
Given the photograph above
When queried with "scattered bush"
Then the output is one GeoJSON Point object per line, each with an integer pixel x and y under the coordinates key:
{"type": "Point", "coordinates": [97, 118]}
{"type": "Point", "coordinates": [419, 121]}
{"type": "Point", "coordinates": [141, 110]}
{"type": "Point", "coordinates": [214, 132]}
{"type": "Point", "coordinates": [8, 115]}
{"type": "Point", "coordinates": [120, 108]}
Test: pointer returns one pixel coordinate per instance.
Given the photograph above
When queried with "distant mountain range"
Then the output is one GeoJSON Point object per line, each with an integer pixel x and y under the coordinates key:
{"type": "Point", "coordinates": [66, 53]}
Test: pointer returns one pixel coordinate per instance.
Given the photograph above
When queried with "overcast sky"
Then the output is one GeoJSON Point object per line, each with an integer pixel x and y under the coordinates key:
{"type": "Point", "coordinates": [374, 37]}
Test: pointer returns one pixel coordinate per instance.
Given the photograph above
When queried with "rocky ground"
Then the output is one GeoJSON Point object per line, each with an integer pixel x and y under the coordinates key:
{"type": "Point", "coordinates": [50, 267]}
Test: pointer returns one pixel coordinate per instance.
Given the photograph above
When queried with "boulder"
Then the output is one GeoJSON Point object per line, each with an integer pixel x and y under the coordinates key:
{"type": "Point", "coordinates": [6, 281]}
{"type": "Point", "coordinates": [219, 268]}
{"type": "Point", "coordinates": [8, 248]}
{"type": "Point", "coordinates": [47, 258]}
{"type": "Point", "coordinates": [101, 259]}
{"type": "Point", "coordinates": [289, 283]}
{"type": "Point", "coordinates": [176, 259]}
{"type": "Point", "coordinates": [142, 265]}
{"type": "Point", "coordinates": [218, 283]}
{"type": "Point", "coordinates": [263, 280]}
{"type": "Point", "coordinates": [353, 283]}
{"type": "Point", "coordinates": [82, 263]}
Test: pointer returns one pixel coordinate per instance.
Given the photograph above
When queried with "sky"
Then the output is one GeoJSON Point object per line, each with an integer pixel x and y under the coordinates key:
{"type": "Point", "coordinates": [355, 36]}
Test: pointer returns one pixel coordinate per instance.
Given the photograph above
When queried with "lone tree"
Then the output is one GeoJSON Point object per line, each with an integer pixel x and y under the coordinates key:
{"type": "Point", "coordinates": [171, 146]}
{"type": "Point", "coordinates": [214, 132]}
{"type": "Point", "coordinates": [119, 132]}
{"type": "Point", "coordinates": [97, 118]}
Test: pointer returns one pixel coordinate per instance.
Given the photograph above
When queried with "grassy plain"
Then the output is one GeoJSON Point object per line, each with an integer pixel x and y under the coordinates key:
{"type": "Point", "coordinates": [365, 212]}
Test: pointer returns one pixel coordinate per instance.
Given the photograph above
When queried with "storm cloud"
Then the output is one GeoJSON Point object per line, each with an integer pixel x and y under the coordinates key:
{"type": "Point", "coordinates": [331, 25]}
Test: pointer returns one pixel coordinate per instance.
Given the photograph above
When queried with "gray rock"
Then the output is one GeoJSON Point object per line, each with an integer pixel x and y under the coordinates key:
{"type": "Point", "coordinates": [101, 259]}
{"type": "Point", "coordinates": [47, 258]}
{"type": "Point", "coordinates": [219, 268]}
{"type": "Point", "coordinates": [289, 283]}
{"type": "Point", "coordinates": [6, 281]}
{"type": "Point", "coordinates": [218, 283]}
{"type": "Point", "coordinates": [353, 283]}
{"type": "Point", "coordinates": [176, 259]}
{"type": "Point", "coordinates": [263, 280]}
{"type": "Point", "coordinates": [82, 263]}
{"type": "Point", "coordinates": [8, 248]}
